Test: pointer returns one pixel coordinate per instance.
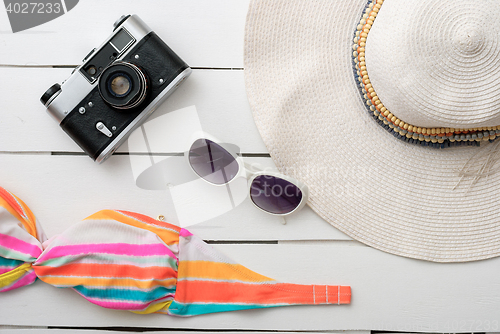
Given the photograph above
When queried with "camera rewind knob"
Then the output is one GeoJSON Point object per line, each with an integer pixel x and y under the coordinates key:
{"type": "Point", "coordinates": [118, 22]}
{"type": "Point", "coordinates": [50, 94]}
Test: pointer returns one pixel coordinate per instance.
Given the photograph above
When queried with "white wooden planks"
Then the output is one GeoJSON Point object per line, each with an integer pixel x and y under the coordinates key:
{"type": "Point", "coordinates": [18, 330]}
{"type": "Point", "coordinates": [62, 190]}
{"type": "Point", "coordinates": [203, 33]}
{"type": "Point", "coordinates": [219, 97]}
{"type": "Point", "coordinates": [388, 293]}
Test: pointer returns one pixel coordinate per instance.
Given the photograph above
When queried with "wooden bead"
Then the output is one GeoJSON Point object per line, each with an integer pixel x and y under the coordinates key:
{"type": "Point", "coordinates": [434, 135]}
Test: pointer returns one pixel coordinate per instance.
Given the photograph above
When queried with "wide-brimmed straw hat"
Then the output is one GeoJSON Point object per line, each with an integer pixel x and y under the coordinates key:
{"type": "Point", "coordinates": [388, 111]}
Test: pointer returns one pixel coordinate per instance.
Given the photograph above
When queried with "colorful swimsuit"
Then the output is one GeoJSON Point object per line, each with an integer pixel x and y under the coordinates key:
{"type": "Point", "coordinates": [128, 261]}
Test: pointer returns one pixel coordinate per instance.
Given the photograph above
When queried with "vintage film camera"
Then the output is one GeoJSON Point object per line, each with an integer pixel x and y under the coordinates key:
{"type": "Point", "coordinates": [116, 88]}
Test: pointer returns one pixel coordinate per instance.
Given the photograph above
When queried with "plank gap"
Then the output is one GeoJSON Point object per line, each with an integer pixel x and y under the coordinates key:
{"type": "Point", "coordinates": [25, 152]}
{"type": "Point", "coordinates": [156, 154]}
{"type": "Point", "coordinates": [31, 66]}
{"type": "Point", "coordinates": [242, 242]}
{"type": "Point", "coordinates": [322, 241]}
{"type": "Point", "coordinates": [194, 330]}
{"type": "Point", "coordinates": [219, 68]}
{"type": "Point", "coordinates": [36, 66]}
{"type": "Point", "coordinates": [399, 332]}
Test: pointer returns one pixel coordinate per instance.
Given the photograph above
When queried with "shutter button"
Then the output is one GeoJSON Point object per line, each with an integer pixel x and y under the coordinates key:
{"type": "Point", "coordinates": [103, 129]}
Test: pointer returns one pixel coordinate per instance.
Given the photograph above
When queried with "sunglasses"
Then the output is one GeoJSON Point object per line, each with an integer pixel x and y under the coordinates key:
{"type": "Point", "coordinates": [271, 192]}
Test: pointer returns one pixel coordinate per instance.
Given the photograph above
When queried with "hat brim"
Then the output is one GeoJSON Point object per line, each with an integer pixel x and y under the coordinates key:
{"type": "Point", "coordinates": [401, 198]}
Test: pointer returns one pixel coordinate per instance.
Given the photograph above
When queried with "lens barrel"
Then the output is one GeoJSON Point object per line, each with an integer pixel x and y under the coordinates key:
{"type": "Point", "coordinates": [123, 85]}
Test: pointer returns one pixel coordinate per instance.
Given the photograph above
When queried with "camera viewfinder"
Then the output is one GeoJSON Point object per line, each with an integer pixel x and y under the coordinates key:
{"type": "Point", "coordinates": [104, 57]}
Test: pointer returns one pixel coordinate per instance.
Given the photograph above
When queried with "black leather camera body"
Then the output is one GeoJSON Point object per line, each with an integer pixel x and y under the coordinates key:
{"type": "Point", "coordinates": [116, 88]}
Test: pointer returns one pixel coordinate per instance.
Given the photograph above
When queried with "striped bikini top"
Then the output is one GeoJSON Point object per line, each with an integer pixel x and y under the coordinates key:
{"type": "Point", "coordinates": [128, 261]}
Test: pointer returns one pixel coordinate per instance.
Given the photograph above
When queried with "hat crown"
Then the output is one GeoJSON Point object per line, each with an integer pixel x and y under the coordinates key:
{"type": "Point", "coordinates": [436, 63]}
{"type": "Point", "coordinates": [468, 40]}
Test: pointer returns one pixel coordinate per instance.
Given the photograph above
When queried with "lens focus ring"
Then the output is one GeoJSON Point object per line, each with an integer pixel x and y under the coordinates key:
{"type": "Point", "coordinates": [123, 85]}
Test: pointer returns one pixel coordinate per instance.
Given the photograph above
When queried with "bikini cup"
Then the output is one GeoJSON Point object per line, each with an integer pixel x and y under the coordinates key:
{"type": "Point", "coordinates": [128, 261]}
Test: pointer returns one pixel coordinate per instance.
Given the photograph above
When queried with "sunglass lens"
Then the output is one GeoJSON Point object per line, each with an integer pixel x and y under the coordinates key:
{"type": "Point", "coordinates": [275, 195]}
{"type": "Point", "coordinates": [212, 162]}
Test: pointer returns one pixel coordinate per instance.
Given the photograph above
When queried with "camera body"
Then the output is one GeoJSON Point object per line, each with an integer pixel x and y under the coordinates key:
{"type": "Point", "coordinates": [116, 88]}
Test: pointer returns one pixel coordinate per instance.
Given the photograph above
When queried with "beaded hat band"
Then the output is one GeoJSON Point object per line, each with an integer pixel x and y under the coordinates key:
{"type": "Point", "coordinates": [434, 71]}
{"type": "Point", "coordinates": [433, 137]}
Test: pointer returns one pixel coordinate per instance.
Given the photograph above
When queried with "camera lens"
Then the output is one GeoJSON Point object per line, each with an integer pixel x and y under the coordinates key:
{"type": "Point", "coordinates": [123, 85]}
{"type": "Point", "coordinates": [119, 84]}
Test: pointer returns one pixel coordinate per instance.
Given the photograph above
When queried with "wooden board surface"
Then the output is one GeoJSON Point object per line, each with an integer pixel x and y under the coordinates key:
{"type": "Point", "coordinates": [38, 330]}
{"type": "Point", "coordinates": [204, 33]}
{"type": "Point", "coordinates": [62, 190]}
{"type": "Point", "coordinates": [218, 95]}
{"type": "Point", "coordinates": [47, 170]}
{"type": "Point", "coordinates": [389, 293]}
